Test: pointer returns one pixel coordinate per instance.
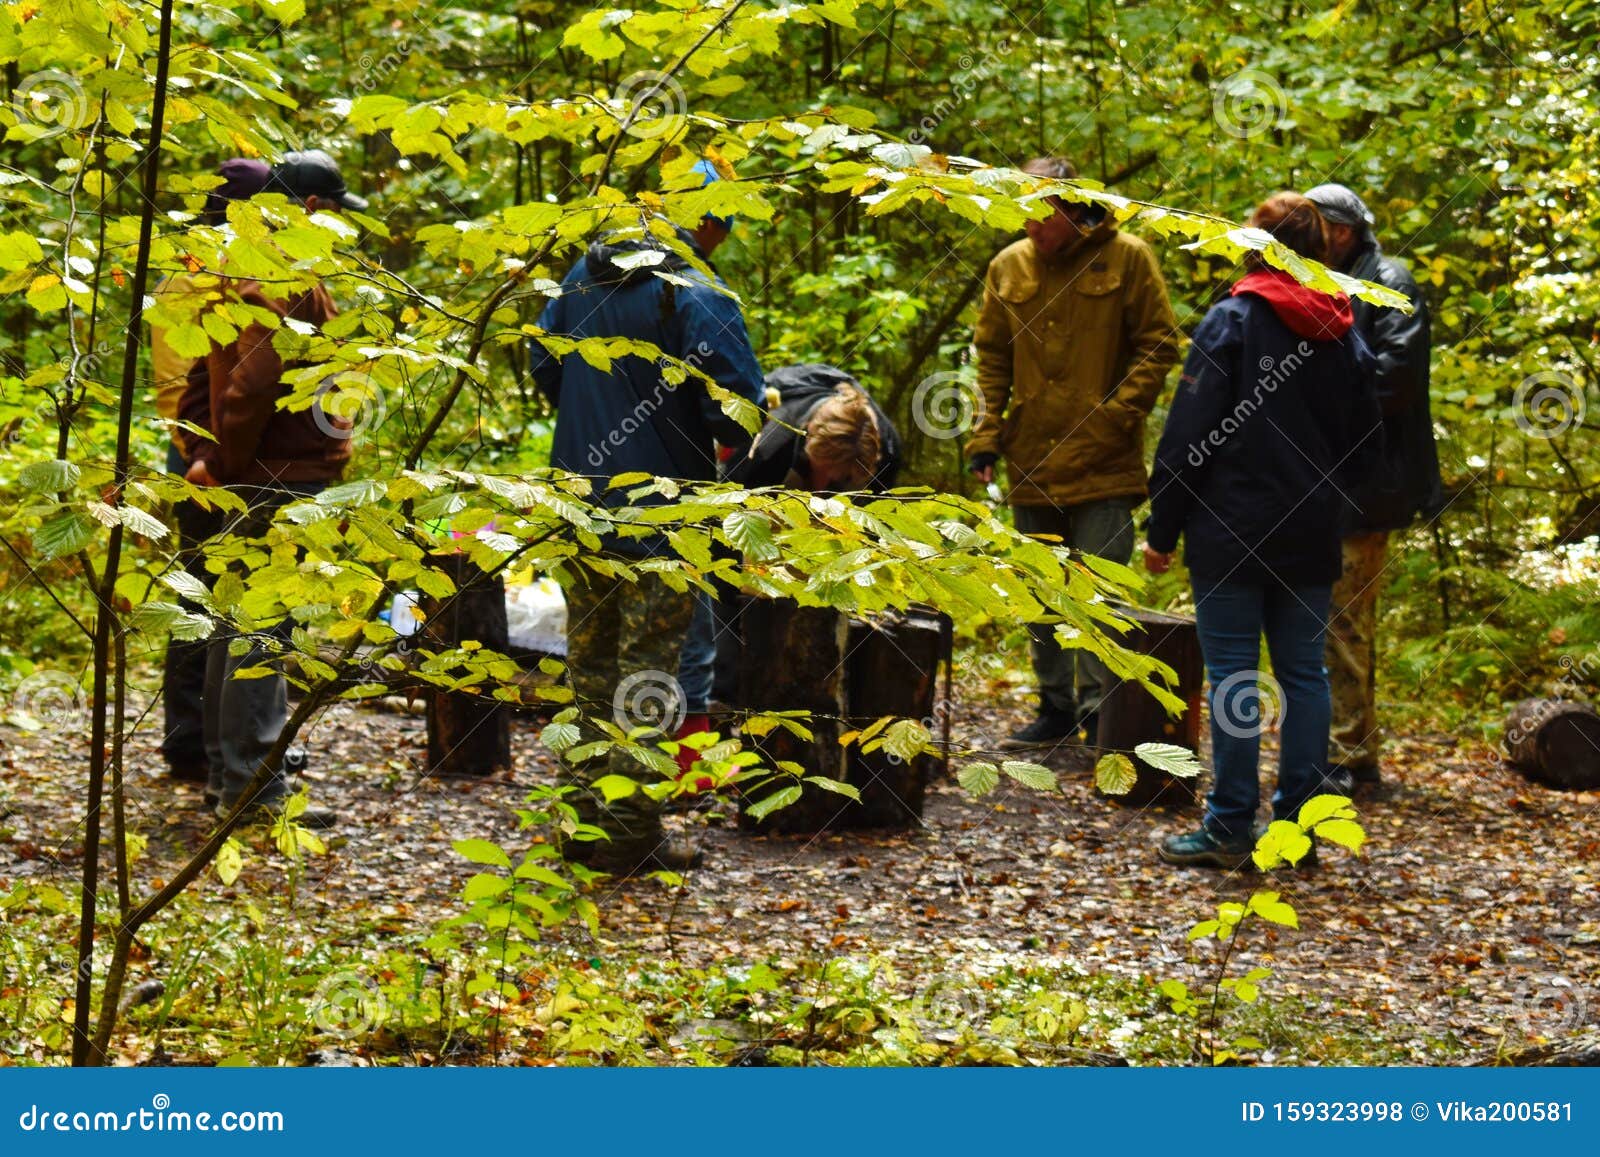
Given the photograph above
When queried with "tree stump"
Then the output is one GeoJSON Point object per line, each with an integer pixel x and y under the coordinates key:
{"type": "Point", "coordinates": [894, 669]}
{"type": "Point", "coordinates": [793, 659]}
{"type": "Point", "coordinates": [818, 660]}
{"type": "Point", "coordinates": [1130, 715]}
{"type": "Point", "coordinates": [468, 735]}
{"type": "Point", "coordinates": [1556, 742]}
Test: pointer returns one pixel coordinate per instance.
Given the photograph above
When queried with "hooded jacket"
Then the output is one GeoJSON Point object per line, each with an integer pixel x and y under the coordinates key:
{"type": "Point", "coordinates": [234, 392]}
{"type": "Point", "coordinates": [1274, 422]}
{"type": "Point", "coordinates": [1073, 351]}
{"type": "Point", "coordinates": [628, 417]}
{"type": "Point", "coordinates": [1404, 481]}
{"type": "Point", "coordinates": [777, 449]}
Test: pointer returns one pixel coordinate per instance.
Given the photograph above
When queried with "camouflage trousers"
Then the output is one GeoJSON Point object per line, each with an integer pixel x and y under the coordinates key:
{"type": "Point", "coordinates": [1352, 654]}
{"type": "Point", "coordinates": [623, 640]}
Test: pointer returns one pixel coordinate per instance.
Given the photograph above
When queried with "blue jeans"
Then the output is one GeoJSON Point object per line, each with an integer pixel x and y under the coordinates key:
{"type": "Point", "coordinates": [1232, 616]}
{"type": "Point", "coordinates": [697, 662]}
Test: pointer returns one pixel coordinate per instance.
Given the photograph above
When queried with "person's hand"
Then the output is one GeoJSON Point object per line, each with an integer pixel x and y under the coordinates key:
{"type": "Point", "coordinates": [982, 466]}
{"type": "Point", "coordinates": [1156, 561]}
{"type": "Point", "coordinates": [200, 475]}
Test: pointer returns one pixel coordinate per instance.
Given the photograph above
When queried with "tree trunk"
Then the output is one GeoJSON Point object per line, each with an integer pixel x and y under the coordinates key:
{"type": "Point", "coordinates": [847, 673]}
{"type": "Point", "coordinates": [793, 659]}
{"type": "Point", "coordinates": [894, 669]}
{"type": "Point", "coordinates": [1580, 1051]}
{"type": "Point", "coordinates": [468, 735]}
{"type": "Point", "coordinates": [1130, 715]}
{"type": "Point", "coordinates": [1556, 742]}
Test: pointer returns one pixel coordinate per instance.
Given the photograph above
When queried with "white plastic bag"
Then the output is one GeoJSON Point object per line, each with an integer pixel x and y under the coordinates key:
{"type": "Point", "coordinates": [536, 617]}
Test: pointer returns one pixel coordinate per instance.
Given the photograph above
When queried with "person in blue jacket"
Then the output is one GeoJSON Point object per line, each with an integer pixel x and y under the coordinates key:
{"type": "Point", "coordinates": [1274, 425]}
{"type": "Point", "coordinates": [624, 638]}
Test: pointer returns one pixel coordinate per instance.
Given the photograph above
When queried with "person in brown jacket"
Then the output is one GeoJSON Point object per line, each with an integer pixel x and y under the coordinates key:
{"type": "Point", "coordinates": [270, 457]}
{"type": "Point", "coordinates": [1074, 340]}
{"type": "Point", "coordinates": [183, 669]}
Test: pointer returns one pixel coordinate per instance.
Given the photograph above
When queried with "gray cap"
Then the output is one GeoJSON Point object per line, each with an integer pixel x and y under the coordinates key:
{"type": "Point", "coordinates": [1340, 205]}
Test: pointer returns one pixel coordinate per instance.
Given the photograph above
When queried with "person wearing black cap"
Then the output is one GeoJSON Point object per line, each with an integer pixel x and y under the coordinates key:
{"type": "Point", "coordinates": [183, 673]}
{"type": "Point", "coordinates": [312, 178]}
{"type": "Point", "coordinates": [269, 457]}
{"type": "Point", "coordinates": [1404, 483]}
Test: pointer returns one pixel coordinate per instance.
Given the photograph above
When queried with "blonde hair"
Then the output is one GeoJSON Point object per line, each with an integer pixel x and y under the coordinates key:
{"type": "Point", "coordinates": [842, 439]}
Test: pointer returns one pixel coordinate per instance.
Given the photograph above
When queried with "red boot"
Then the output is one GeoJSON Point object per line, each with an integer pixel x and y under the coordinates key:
{"type": "Point", "coordinates": [692, 725]}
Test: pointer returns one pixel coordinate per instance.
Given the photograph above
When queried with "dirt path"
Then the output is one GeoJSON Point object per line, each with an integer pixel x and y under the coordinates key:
{"type": "Point", "coordinates": [1473, 913]}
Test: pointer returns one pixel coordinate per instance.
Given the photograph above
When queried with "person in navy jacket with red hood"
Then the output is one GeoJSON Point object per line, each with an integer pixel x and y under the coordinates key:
{"type": "Point", "coordinates": [1274, 425]}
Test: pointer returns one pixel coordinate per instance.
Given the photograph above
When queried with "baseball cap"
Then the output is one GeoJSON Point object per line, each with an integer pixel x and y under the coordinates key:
{"type": "Point", "coordinates": [313, 173]}
{"type": "Point", "coordinates": [242, 178]}
{"type": "Point", "coordinates": [708, 171]}
{"type": "Point", "coordinates": [1340, 205]}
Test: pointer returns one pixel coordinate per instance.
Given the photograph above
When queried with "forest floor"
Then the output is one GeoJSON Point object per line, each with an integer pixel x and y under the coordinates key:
{"type": "Point", "coordinates": [1471, 918]}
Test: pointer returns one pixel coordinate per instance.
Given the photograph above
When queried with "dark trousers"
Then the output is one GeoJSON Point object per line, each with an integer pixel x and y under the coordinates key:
{"type": "Point", "coordinates": [244, 717]}
{"type": "Point", "coordinates": [1072, 683]}
{"type": "Point", "coordinates": [183, 673]}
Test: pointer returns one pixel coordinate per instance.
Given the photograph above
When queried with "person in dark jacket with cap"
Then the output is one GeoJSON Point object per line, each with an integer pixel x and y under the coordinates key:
{"type": "Point", "coordinates": [1273, 421]}
{"type": "Point", "coordinates": [1403, 483]}
{"type": "Point", "coordinates": [269, 457]}
{"type": "Point", "coordinates": [624, 639]}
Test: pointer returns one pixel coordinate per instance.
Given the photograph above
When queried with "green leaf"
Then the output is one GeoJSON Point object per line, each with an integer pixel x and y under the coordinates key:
{"type": "Point", "coordinates": [751, 534]}
{"type": "Point", "coordinates": [64, 535]}
{"type": "Point", "coordinates": [1321, 807]}
{"type": "Point", "coordinates": [482, 852]}
{"type": "Point", "coordinates": [1033, 775]}
{"type": "Point", "coordinates": [559, 736]}
{"type": "Point", "coordinates": [906, 739]}
{"type": "Point", "coordinates": [979, 778]}
{"type": "Point", "coordinates": [1345, 833]}
{"type": "Point", "coordinates": [783, 797]}
{"type": "Point", "coordinates": [483, 885]}
{"type": "Point", "coordinates": [229, 861]}
{"type": "Point", "coordinates": [50, 477]}
{"type": "Point", "coordinates": [435, 583]}
{"type": "Point", "coordinates": [614, 787]}
{"type": "Point", "coordinates": [45, 293]}
{"type": "Point", "coordinates": [835, 786]}
{"type": "Point", "coordinates": [1170, 758]}
{"type": "Point", "coordinates": [1282, 842]}
{"type": "Point", "coordinates": [19, 250]}
{"type": "Point", "coordinates": [1114, 773]}
{"type": "Point", "coordinates": [529, 870]}
{"type": "Point", "coordinates": [1269, 907]}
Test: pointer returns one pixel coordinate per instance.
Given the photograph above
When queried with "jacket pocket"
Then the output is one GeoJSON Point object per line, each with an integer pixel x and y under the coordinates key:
{"type": "Point", "coordinates": [1009, 425]}
{"type": "Point", "coordinates": [1017, 287]}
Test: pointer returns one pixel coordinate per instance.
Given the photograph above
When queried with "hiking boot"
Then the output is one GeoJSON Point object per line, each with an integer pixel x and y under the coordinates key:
{"type": "Point", "coordinates": [189, 770]}
{"type": "Point", "coordinates": [1049, 729]}
{"type": "Point", "coordinates": [1204, 849]}
{"type": "Point", "coordinates": [267, 813]}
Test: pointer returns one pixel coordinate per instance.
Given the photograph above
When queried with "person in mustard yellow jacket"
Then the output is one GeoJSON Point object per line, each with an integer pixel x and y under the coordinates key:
{"type": "Point", "coordinates": [1074, 342]}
